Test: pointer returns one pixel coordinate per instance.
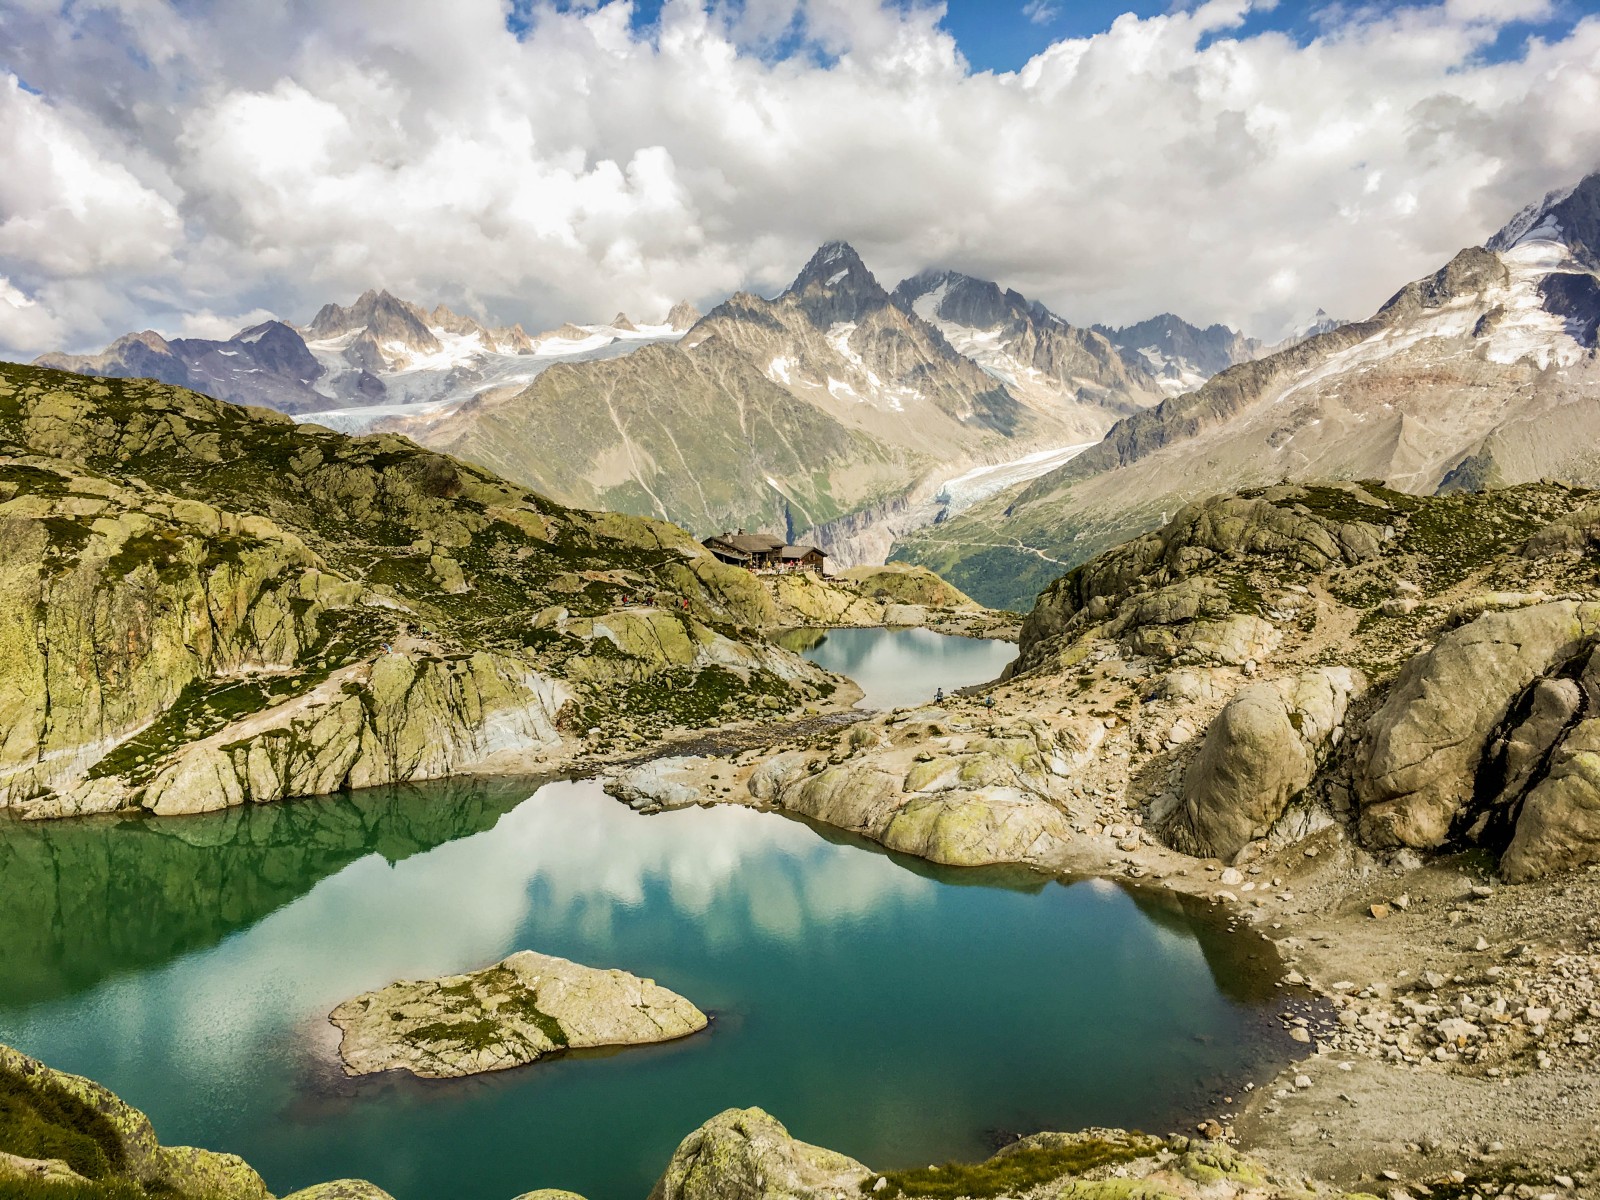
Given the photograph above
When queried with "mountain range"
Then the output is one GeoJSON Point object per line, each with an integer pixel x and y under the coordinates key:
{"type": "Point", "coordinates": [1480, 375]}
{"type": "Point", "coordinates": [377, 354]}
{"type": "Point", "coordinates": [838, 410]}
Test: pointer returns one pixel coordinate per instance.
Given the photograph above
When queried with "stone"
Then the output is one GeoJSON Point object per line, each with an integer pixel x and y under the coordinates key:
{"type": "Point", "coordinates": [1424, 743]}
{"type": "Point", "coordinates": [1259, 753]}
{"type": "Point", "coordinates": [341, 1189]}
{"type": "Point", "coordinates": [1559, 826]}
{"type": "Point", "coordinates": [177, 1170]}
{"type": "Point", "coordinates": [657, 785]}
{"type": "Point", "coordinates": [1299, 1034]}
{"type": "Point", "coordinates": [745, 1154]}
{"type": "Point", "coordinates": [506, 1015]}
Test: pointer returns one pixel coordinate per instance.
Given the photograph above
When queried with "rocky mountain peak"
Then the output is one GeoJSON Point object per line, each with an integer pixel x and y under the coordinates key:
{"type": "Point", "coordinates": [683, 315]}
{"type": "Point", "coordinates": [836, 286]}
{"type": "Point", "coordinates": [978, 303]}
{"type": "Point", "coordinates": [1568, 215]}
{"type": "Point", "coordinates": [386, 317]}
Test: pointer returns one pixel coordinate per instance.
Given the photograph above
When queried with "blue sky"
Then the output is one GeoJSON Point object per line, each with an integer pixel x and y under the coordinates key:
{"type": "Point", "coordinates": [1001, 35]}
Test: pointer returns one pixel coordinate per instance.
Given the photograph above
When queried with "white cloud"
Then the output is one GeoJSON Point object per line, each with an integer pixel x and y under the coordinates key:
{"type": "Point", "coordinates": [1040, 12]}
{"type": "Point", "coordinates": [246, 157]}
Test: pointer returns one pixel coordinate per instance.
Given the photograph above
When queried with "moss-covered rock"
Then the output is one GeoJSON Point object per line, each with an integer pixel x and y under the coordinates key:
{"type": "Point", "coordinates": [507, 1015]}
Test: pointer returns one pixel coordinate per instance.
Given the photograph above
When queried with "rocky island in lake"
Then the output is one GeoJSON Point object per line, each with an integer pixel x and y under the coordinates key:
{"type": "Point", "coordinates": [506, 1015]}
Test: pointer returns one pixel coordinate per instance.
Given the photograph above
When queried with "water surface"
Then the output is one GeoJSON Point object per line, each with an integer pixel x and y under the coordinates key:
{"type": "Point", "coordinates": [897, 1012]}
{"type": "Point", "coordinates": [900, 667]}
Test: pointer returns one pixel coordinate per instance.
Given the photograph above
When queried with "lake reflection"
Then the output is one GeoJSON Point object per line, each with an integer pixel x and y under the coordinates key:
{"type": "Point", "coordinates": [189, 964]}
{"type": "Point", "coordinates": [900, 667]}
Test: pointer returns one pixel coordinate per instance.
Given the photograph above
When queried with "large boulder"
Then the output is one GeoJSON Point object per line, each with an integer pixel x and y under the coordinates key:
{"type": "Point", "coordinates": [1260, 752]}
{"type": "Point", "coordinates": [971, 803]}
{"type": "Point", "coordinates": [1559, 825]}
{"type": "Point", "coordinates": [745, 1154]}
{"type": "Point", "coordinates": [656, 785]}
{"type": "Point", "coordinates": [1416, 779]}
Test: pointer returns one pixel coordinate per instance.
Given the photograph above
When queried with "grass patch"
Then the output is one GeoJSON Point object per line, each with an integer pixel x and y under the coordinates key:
{"type": "Point", "coordinates": [1010, 1173]}
{"type": "Point", "coordinates": [41, 1119]}
{"type": "Point", "coordinates": [98, 1189]}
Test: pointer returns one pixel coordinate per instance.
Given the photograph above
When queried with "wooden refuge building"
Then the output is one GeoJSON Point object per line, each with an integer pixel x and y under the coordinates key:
{"type": "Point", "coordinates": [764, 552]}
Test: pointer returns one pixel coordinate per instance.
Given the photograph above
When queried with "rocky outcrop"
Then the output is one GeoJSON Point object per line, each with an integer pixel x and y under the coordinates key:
{"type": "Point", "coordinates": [744, 1154]}
{"type": "Point", "coordinates": [1175, 592]}
{"type": "Point", "coordinates": [871, 597]}
{"type": "Point", "coordinates": [1558, 827]}
{"type": "Point", "coordinates": [206, 606]}
{"type": "Point", "coordinates": [961, 800]}
{"type": "Point", "coordinates": [507, 1015]}
{"type": "Point", "coordinates": [1262, 750]}
{"type": "Point", "coordinates": [1418, 782]}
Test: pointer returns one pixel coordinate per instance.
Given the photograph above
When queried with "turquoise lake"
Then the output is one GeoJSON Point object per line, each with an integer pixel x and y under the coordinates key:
{"type": "Point", "coordinates": [900, 1013]}
{"type": "Point", "coordinates": [900, 667]}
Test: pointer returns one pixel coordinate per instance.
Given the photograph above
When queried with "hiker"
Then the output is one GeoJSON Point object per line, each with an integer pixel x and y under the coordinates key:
{"type": "Point", "coordinates": [938, 696]}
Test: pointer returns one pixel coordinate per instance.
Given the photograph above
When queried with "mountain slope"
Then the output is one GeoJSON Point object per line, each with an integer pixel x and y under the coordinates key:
{"type": "Point", "coordinates": [207, 605]}
{"type": "Point", "coordinates": [1074, 375]}
{"type": "Point", "coordinates": [1480, 375]}
{"type": "Point", "coordinates": [1183, 355]}
{"type": "Point", "coordinates": [791, 413]}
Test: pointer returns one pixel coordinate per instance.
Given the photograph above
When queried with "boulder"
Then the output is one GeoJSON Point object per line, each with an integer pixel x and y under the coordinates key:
{"type": "Point", "coordinates": [654, 786]}
{"type": "Point", "coordinates": [341, 1189]}
{"type": "Point", "coordinates": [984, 802]}
{"type": "Point", "coordinates": [506, 1015]}
{"type": "Point", "coordinates": [1422, 748]}
{"type": "Point", "coordinates": [1559, 825]}
{"type": "Point", "coordinates": [1260, 752]}
{"type": "Point", "coordinates": [744, 1154]}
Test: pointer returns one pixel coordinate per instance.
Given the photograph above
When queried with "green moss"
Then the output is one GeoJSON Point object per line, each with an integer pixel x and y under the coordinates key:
{"type": "Point", "coordinates": [109, 1189]}
{"type": "Point", "coordinates": [521, 1003]}
{"type": "Point", "coordinates": [1010, 1173]}
{"type": "Point", "coordinates": [68, 536]}
{"type": "Point", "coordinates": [162, 550]}
{"type": "Point", "coordinates": [474, 1034]}
{"type": "Point", "coordinates": [41, 1119]}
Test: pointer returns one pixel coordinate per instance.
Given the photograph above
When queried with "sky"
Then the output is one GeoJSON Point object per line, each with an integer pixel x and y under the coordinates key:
{"type": "Point", "coordinates": [193, 166]}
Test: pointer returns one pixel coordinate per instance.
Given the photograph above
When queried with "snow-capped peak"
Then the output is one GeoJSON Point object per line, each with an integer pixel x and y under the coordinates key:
{"type": "Point", "coordinates": [1534, 222]}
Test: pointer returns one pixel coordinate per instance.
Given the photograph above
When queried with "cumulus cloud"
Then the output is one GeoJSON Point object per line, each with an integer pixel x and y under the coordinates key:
{"type": "Point", "coordinates": [237, 158]}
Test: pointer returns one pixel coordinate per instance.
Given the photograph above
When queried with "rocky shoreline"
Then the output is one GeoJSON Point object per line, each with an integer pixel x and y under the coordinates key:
{"type": "Point", "coordinates": [1182, 744]}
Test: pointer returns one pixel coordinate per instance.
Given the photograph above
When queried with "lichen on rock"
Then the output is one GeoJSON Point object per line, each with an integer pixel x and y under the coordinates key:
{"type": "Point", "coordinates": [506, 1015]}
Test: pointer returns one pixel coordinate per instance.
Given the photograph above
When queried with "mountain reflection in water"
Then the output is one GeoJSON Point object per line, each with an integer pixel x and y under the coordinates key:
{"type": "Point", "coordinates": [888, 1008]}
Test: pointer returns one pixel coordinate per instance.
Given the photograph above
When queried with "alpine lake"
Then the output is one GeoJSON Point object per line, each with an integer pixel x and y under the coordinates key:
{"type": "Point", "coordinates": [895, 1011]}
